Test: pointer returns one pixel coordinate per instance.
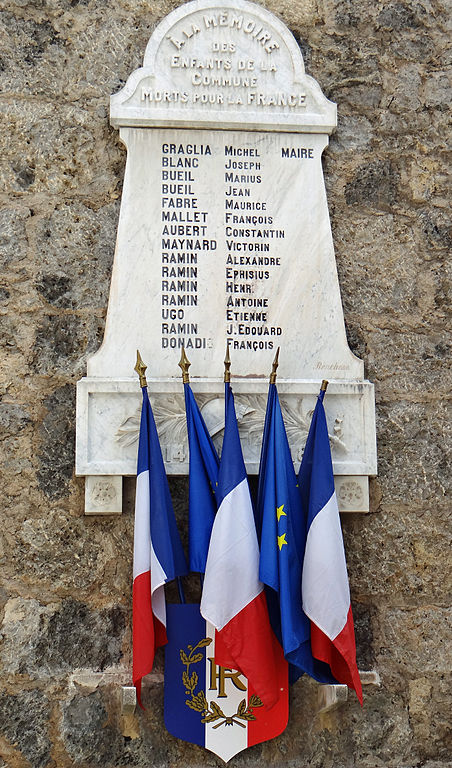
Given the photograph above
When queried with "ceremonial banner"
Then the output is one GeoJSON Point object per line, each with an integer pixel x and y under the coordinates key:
{"type": "Point", "coordinates": [158, 556]}
{"type": "Point", "coordinates": [325, 589]}
{"type": "Point", "coordinates": [233, 598]}
{"type": "Point", "coordinates": [283, 537]}
{"type": "Point", "coordinates": [209, 705]}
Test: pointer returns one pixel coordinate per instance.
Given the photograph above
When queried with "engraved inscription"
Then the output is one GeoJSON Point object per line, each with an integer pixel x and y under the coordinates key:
{"type": "Point", "coordinates": [185, 245]}
{"type": "Point", "coordinates": [246, 270]}
{"type": "Point", "coordinates": [249, 26]}
{"type": "Point", "coordinates": [243, 227]}
{"type": "Point", "coordinates": [206, 59]}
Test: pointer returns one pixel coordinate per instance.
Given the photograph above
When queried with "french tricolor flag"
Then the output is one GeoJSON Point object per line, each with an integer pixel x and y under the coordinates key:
{"type": "Point", "coordinates": [158, 556]}
{"type": "Point", "coordinates": [325, 589]}
{"type": "Point", "coordinates": [233, 598]}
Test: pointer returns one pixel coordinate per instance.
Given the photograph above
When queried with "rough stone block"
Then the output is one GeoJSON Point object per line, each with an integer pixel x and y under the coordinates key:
{"type": "Point", "coordinates": [24, 724]}
{"type": "Point", "coordinates": [94, 561]}
{"type": "Point", "coordinates": [76, 247]}
{"type": "Point", "coordinates": [56, 149]}
{"type": "Point", "coordinates": [57, 435]}
{"type": "Point", "coordinates": [44, 642]}
{"type": "Point", "coordinates": [414, 564]}
{"type": "Point", "coordinates": [422, 631]}
{"type": "Point", "coordinates": [13, 240]}
{"type": "Point", "coordinates": [421, 433]}
{"type": "Point", "coordinates": [65, 340]}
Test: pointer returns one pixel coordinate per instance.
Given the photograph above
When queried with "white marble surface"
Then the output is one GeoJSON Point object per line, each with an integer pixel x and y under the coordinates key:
{"type": "Point", "coordinates": [103, 494]}
{"type": "Point", "coordinates": [211, 64]}
{"type": "Point", "coordinates": [212, 275]}
{"type": "Point", "coordinates": [108, 425]}
{"type": "Point", "coordinates": [331, 696]}
{"type": "Point", "coordinates": [224, 234]}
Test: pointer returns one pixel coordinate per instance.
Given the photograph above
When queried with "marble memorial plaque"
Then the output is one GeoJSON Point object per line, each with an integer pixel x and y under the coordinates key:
{"type": "Point", "coordinates": [224, 235]}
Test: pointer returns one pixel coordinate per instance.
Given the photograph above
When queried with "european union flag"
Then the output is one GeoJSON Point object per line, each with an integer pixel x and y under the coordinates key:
{"type": "Point", "coordinates": [204, 465]}
{"type": "Point", "coordinates": [283, 539]}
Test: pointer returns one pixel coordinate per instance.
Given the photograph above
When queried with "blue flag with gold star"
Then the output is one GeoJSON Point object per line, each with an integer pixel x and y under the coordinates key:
{"type": "Point", "coordinates": [282, 528]}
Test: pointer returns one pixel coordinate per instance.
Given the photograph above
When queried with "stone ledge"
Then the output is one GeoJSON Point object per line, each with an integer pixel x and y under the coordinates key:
{"type": "Point", "coordinates": [331, 696]}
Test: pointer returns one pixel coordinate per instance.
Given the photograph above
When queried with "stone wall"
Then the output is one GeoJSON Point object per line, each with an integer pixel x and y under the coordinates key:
{"type": "Point", "coordinates": [65, 589]}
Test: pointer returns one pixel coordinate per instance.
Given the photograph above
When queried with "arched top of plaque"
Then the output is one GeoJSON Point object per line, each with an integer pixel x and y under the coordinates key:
{"type": "Point", "coordinates": [223, 65]}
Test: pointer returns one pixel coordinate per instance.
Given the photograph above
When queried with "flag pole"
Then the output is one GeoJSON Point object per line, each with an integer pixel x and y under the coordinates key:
{"type": "Point", "coordinates": [274, 368]}
{"type": "Point", "coordinates": [184, 364]}
{"type": "Point", "coordinates": [227, 366]}
{"type": "Point", "coordinates": [324, 385]}
{"type": "Point", "coordinates": [140, 368]}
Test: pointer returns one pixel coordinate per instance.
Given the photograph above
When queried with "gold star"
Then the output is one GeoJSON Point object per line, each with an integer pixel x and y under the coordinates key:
{"type": "Point", "coordinates": [281, 541]}
{"type": "Point", "coordinates": [280, 512]}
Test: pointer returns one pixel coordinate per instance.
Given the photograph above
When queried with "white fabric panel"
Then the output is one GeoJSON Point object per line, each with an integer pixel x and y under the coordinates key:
{"type": "Point", "coordinates": [158, 579]}
{"type": "Point", "coordinates": [235, 739]}
{"type": "Point", "coordinates": [142, 532]}
{"type": "Point", "coordinates": [325, 590]}
{"type": "Point", "coordinates": [231, 580]}
{"type": "Point", "coordinates": [144, 557]}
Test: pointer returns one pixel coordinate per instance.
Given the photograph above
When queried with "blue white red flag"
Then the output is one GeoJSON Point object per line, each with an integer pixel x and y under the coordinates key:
{"type": "Point", "coordinates": [233, 597]}
{"type": "Point", "coordinates": [283, 539]}
{"type": "Point", "coordinates": [209, 705]}
{"type": "Point", "coordinates": [158, 556]}
{"type": "Point", "coordinates": [204, 464]}
{"type": "Point", "coordinates": [325, 589]}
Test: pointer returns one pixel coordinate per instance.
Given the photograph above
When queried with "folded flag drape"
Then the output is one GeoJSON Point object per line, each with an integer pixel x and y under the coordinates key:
{"type": "Point", "coordinates": [325, 588]}
{"type": "Point", "coordinates": [283, 537]}
{"type": "Point", "coordinates": [233, 597]}
{"type": "Point", "coordinates": [158, 556]}
{"type": "Point", "coordinates": [203, 479]}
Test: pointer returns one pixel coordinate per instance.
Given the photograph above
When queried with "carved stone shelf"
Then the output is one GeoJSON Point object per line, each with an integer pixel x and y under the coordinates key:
{"type": "Point", "coordinates": [108, 427]}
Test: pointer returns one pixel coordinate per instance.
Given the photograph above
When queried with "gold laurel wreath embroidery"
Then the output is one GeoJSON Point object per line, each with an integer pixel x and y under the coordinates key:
{"type": "Point", "coordinates": [198, 702]}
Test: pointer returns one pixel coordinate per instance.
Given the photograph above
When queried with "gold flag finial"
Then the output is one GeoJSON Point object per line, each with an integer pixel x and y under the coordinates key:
{"type": "Point", "coordinates": [227, 366]}
{"type": "Point", "coordinates": [140, 368]}
{"type": "Point", "coordinates": [184, 365]}
{"type": "Point", "coordinates": [274, 368]}
{"type": "Point", "coordinates": [324, 385]}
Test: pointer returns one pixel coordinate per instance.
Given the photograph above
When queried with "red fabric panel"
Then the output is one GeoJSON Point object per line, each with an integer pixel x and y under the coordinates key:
{"type": "Point", "coordinates": [148, 632]}
{"type": "Point", "coordinates": [340, 654]}
{"type": "Point", "coordinates": [246, 643]}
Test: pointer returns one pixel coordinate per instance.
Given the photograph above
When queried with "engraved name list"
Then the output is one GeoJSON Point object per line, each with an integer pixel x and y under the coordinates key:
{"type": "Point", "coordinates": [225, 226]}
